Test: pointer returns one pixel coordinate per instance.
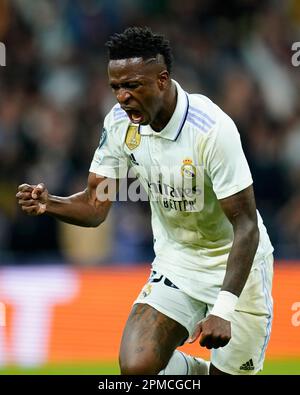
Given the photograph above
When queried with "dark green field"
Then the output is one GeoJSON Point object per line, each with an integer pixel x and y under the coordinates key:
{"type": "Point", "coordinates": [275, 367]}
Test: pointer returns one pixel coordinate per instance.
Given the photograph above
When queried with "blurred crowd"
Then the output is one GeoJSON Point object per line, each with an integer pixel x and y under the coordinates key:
{"type": "Point", "coordinates": [54, 95]}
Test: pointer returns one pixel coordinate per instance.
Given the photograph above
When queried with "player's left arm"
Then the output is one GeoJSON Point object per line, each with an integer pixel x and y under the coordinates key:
{"type": "Point", "coordinates": [240, 209]}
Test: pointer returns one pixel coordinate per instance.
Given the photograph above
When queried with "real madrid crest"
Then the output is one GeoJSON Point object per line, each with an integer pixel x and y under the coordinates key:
{"type": "Point", "coordinates": [146, 290]}
{"type": "Point", "coordinates": [133, 137]}
{"type": "Point", "coordinates": [188, 170]}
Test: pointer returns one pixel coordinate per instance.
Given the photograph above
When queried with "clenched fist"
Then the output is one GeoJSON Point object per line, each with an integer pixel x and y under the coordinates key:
{"type": "Point", "coordinates": [213, 332]}
{"type": "Point", "coordinates": [33, 199]}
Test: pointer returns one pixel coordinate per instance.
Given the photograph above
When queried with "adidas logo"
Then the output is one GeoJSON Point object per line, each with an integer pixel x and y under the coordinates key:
{"type": "Point", "coordinates": [247, 366]}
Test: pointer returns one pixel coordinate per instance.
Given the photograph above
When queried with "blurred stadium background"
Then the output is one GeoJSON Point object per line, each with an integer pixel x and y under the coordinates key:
{"type": "Point", "coordinates": [65, 291]}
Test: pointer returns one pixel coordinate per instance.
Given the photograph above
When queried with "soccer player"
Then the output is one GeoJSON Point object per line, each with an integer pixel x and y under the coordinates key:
{"type": "Point", "coordinates": [212, 274]}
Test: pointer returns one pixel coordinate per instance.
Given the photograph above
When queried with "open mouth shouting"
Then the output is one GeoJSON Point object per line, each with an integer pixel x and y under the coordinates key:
{"type": "Point", "coordinates": [135, 115]}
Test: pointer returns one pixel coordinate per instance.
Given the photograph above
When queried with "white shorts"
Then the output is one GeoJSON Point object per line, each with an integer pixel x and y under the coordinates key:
{"type": "Point", "coordinates": [250, 325]}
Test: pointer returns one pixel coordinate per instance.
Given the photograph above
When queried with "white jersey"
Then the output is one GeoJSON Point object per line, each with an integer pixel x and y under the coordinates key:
{"type": "Point", "coordinates": [199, 148]}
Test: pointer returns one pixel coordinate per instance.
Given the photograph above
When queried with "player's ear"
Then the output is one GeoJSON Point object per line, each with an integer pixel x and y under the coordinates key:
{"type": "Point", "coordinates": [163, 79]}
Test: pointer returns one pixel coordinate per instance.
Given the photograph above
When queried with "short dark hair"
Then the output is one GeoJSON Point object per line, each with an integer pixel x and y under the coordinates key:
{"type": "Point", "coordinates": [139, 42]}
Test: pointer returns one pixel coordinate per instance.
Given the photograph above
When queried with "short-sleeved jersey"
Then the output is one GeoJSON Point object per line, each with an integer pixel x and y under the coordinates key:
{"type": "Point", "coordinates": [186, 168]}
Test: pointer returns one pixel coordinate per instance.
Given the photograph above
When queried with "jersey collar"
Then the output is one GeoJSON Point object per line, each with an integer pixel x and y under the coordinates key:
{"type": "Point", "coordinates": [174, 127]}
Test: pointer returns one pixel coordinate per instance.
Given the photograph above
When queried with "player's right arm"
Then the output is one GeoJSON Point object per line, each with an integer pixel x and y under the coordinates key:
{"type": "Point", "coordinates": [85, 208]}
{"type": "Point", "coordinates": [90, 207]}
